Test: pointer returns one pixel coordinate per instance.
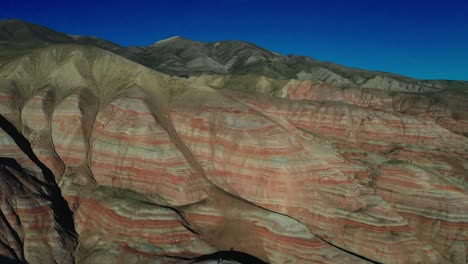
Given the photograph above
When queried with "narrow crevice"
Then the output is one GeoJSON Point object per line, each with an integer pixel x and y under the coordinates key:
{"type": "Point", "coordinates": [184, 221]}
{"type": "Point", "coordinates": [6, 260]}
{"type": "Point", "coordinates": [62, 213]}
{"type": "Point", "coordinates": [15, 236]}
{"type": "Point", "coordinates": [349, 252]}
{"type": "Point", "coordinates": [12, 164]}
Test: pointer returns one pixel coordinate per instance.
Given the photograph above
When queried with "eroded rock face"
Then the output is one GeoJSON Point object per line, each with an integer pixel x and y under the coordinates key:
{"type": "Point", "coordinates": [268, 147]}
{"type": "Point", "coordinates": [29, 230]}
{"type": "Point", "coordinates": [132, 150]}
{"type": "Point", "coordinates": [124, 225]}
{"type": "Point", "coordinates": [160, 169]}
{"type": "Point", "coordinates": [34, 225]}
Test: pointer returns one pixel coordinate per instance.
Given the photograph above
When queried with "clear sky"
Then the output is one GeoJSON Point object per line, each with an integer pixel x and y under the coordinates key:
{"type": "Point", "coordinates": [422, 39]}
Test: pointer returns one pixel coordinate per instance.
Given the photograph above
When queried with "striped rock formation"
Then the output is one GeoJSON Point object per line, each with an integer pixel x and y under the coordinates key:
{"type": "Point", "coordinates": [446, 108]}
{"type": "Point", "coordinates": [232, 224]}
{"type": "Point", "coordinates": [161, 169]}
{"type": "Point", "coordinates": [132, 150]}
{"type": "Point", "coordinates": [33, 222]}
{"type": "Point", "coordinates": [263, 148]}
{"type": "Point", "coordinates": [122, 227]}
{"type": "Point", "coordinates": [27, 224]}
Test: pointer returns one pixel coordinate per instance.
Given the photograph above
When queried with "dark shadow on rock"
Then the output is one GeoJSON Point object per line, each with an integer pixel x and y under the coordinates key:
{"type": "Point", "coordinates": [7, 260]}
{"type": "Point", "coordinates": [11, 163]}
{"type": "Point", "coordinates": [62, 213]}
{"type": "Point", "coordinates": [233, 255]}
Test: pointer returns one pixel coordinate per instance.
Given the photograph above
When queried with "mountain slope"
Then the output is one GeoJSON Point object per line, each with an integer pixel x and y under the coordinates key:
{"type": "Point", "coordinates": [183, 57]}
{"type": "Point", "coordinates": [73, 102]}
{"type": "Point", "coordinates": [312, 164]}
{"type": "Point", "coordinates": [15, 32]}
{"type": "Point", "coordinates": [156, 168]}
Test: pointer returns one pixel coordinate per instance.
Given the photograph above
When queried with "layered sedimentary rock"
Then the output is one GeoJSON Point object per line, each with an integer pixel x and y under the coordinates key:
{"type": "Point", "coordinates": [164, 169]}
{"type": "Point", "coordinates": [423, 159]}
{"type": "Point", "coordinates": [29, 230]}
{"type": "Point", "coordinates": [231, 224]}
{"type": "Point", "coordinates": [132, 150]}
{"type": "Point", "coordinates": [447, 108]}
{"type": "Point", "coordinates": [32, 224]}
{"type": "Point", "coordinates": [129, 229]}
{"type": "Point", "coordinates": [298, 169]}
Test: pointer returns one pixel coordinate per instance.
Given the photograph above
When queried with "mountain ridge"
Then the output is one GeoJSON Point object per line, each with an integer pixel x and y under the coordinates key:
{"type": "Point", "coordinates": [184, 57]}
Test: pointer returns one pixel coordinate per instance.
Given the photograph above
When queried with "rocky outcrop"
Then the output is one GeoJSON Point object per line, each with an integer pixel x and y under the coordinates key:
{"type": "Point", "coordinates": [29, 231]}
{"type": "Point", "coordinates": [391, 84]}
{"type": "Point", "coordinates": [229, 223]}
{"type": "Point", "coordinates": [34, 221]}
{"type": "Point", "coordinates": [325, 76]}
{"type": "Point", "coordinates": [123, 227]}
{"type": "Point", "coordinates": [132, 150]}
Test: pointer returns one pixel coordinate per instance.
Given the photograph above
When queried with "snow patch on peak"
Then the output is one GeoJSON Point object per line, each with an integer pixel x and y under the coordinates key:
{"type": "Point", "coordinates": [168, 39]}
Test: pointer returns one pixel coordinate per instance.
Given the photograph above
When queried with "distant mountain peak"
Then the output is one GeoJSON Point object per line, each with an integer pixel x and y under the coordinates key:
{"type": "Point", "coordinates": [185, 57]}
{"type": "Point", "coordinates": [168, 40]}
{"type": "Point", "coordinates": [12, 20]}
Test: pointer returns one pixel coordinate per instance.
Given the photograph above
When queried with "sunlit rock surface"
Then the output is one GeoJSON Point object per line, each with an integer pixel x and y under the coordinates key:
{"type": "Point", "coordinates": [161, 169]}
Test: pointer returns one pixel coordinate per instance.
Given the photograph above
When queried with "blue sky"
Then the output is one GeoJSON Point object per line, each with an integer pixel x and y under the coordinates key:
{"type": "Point", "coordinates": [422, 39]}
